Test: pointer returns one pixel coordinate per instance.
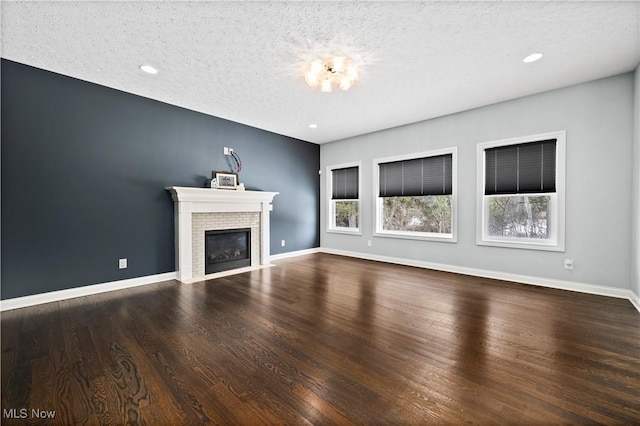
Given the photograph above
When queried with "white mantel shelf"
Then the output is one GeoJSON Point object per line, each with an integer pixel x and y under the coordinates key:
{"type": "Point", "coordinates": [188, 201]}
{"type": "Point", "coordinates": [206, 195]}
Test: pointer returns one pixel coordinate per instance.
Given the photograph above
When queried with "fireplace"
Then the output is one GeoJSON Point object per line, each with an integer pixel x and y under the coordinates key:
{"type": "Point", "coordinates": [227, 249]}
{"type": "Point", "coordinates": [197, 210]}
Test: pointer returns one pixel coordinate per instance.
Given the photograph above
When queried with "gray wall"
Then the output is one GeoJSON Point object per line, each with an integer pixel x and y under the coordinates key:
{"type": "Point", "coordinates": [84, 169]}
{"type": "Point", "coordinates": [635, 186]}
{"type": "Point", "coordinates": [599, 121]}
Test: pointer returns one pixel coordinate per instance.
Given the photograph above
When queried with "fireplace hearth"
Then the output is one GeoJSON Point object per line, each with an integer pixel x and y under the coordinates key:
{"type": "Point", "coordinates": [227, 249]}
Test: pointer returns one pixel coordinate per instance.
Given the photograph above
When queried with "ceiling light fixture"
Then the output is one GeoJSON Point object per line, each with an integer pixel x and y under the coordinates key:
{"type": "Point", "coordinates": [338, 70]}
{"type": "Point", "coordinates": [313, 126]}
{"type": "Point", "coordinates": [532, 58]}
{"type": "Point", "coordinates": [148, 69]}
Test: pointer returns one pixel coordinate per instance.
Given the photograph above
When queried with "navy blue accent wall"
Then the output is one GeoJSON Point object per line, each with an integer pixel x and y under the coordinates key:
{"type": "Point", "coordinates": [84, 169]}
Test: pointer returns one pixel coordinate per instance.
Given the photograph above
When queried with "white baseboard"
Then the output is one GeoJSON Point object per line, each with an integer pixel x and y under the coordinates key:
{"type": "Point", "coordinates": [294, 254]}
{"type": "Point", "coordinates": [634, 299]}
{"type": "Point", "coordinates": [54, 296]}
{"type": "Point", "coordinates": [524, 279]}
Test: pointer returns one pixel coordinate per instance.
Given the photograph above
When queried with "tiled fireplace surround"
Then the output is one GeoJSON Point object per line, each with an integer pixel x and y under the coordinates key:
{"type": "Point", "coordinates": [197, 210]}
{"type": "Point", "coordinates": [201, 222]}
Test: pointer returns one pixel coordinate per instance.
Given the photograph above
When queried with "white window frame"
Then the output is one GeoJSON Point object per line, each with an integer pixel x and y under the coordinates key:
{"type": "Point", "coordinates": [557, 199]}
{"type": "Point", "coordinates": [331, 216]}
{"type": "Point", "coordinates": [411, 235]}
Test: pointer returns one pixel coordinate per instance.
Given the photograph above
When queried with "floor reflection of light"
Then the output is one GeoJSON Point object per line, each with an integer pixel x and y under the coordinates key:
{"type": "Point", "coordinates": [472, 326]}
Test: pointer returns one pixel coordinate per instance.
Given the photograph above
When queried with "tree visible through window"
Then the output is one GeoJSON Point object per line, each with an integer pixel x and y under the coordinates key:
{"type": "Point", "coordinates": [519, 217]}
{"type": "Point", "coordinates": [347, 214]}
{"type": "Point", "coordinates": [430, 213]}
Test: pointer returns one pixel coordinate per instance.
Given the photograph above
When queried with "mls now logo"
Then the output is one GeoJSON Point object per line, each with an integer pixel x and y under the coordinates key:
{"type": "Point", "coordinates": [23, 413]}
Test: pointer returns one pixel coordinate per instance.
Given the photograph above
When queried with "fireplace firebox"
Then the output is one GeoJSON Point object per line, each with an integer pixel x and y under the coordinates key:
{"type": "Point", "coordinates": [227, 249]}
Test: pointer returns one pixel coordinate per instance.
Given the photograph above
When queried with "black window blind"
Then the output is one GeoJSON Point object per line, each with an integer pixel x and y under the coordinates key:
{"type": "Point", "coordinates": [345, 183]}
{"type": "Point", "coordinates": [522, 168]}
{"type": "Point", "coordinates": [416, 177]}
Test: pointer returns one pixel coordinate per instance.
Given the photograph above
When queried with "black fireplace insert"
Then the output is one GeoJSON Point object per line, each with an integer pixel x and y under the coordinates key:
{"type": "Point", "coordinates": [227, 249]}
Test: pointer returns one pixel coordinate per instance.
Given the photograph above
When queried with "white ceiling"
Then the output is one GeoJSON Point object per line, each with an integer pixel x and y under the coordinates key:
{"type": "Point", "coordinates": [243, 61]}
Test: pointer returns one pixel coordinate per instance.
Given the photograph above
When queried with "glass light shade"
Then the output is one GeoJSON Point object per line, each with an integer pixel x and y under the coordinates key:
{"type": "Point", "coordinates": [345, 83]}
{"type": "Point", "coordinates": [326, 85]}
{"type": "Point", "coordinates": [311, 78]}
{"type": "Point", "coordinates": [352, 71]}
{"type": "Point", "coordinates": [317, 66]}
{"type": "Point", "coordinates": [338, 64]}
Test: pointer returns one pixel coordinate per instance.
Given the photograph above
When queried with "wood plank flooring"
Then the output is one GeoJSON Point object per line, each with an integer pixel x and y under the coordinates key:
{"type": "Point", "coordinates": [324, 339]}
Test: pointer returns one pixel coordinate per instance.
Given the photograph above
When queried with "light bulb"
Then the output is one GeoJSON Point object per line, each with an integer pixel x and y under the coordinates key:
{"type": "Point", "coordinates": [148, 69]}
{"type": "Point", "coordinates": [532, 58]}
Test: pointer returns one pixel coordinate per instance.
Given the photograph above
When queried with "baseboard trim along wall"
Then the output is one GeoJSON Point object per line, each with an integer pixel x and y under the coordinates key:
{"type": "Point", "coordinates": [55, 296]}
{"type": "Point", "coordinates": [294, 253]}
{"type": "Point", "coordinates": [634, 299]}
{"type": "Point", "coordinates": [523, 279]}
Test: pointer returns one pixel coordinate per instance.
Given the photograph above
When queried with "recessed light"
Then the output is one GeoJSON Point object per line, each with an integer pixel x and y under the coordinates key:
{"type": "Point", "coordinates": [148, 69]}
{"type": "Point", "coordinates": [532, 58]}
{"type": "Point", "coordinates": [313, 126]}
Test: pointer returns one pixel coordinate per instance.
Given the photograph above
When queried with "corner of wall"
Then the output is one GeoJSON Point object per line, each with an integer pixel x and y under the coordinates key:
{"type": "Point", "coordinates": [635, 188]}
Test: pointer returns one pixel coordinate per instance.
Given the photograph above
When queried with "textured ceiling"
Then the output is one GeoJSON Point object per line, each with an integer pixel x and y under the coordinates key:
{"type": "Point", "coordinates": [243, 60]}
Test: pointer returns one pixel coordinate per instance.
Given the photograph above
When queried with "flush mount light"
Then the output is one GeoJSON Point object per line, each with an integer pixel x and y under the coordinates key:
{"type": "Point", "coordinates": [313, 126]}
{"type": "Point", "coordinates": [148, 69]}
{"type": "Point", "coordinates": [338, 70]}
{"type": "Point", "coordinates": [532, 58]}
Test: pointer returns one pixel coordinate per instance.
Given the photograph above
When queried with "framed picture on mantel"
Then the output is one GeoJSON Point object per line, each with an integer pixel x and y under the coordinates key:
{"type": "Point", "coordinates": [226, 180]}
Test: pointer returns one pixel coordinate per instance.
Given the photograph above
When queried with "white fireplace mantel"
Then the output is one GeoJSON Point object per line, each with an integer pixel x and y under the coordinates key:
{"type": "Point", "coordinates": [188, 201]}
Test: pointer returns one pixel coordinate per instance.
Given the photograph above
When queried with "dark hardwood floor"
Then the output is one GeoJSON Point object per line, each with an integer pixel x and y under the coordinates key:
{"type": "Point", "coordinates": [325, 339]}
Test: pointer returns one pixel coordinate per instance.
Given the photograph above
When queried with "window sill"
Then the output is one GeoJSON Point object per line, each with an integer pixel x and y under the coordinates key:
{"type": "Point", "coordinates": [521, 245]}
{"type": "Point", "coordinates": [345, 231]}
{"type": "Point", "coordinates": [415, 236]}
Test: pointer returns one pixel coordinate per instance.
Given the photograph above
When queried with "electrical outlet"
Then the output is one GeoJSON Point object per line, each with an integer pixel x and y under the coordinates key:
{"type": "Point", "coordinates": [568, 263]}
{"type": "Point", "coordinates": [283, 243]}
{"type": "Point", "coordinates": [369, 243]}
{"type": "Point", "coordinates": [122, 263]}
{"type": "Point", "coordinates": [227, 151]}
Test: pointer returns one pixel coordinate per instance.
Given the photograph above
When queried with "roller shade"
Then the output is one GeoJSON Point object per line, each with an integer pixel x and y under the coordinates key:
{"type": "Point", "coordinates": [416, 177]}
{"type": "Point", "coordinates": [345, 183]}
{"type": "Point", "coordinates": [522, 168]}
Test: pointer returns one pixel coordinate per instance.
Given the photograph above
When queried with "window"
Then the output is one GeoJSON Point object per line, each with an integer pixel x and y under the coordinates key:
{"type": "Point", "coordinates": [521, 192]}
{"type": "Point", "coordinates": [343, 182]}
{"type": "Point", "coordinates": [417, 196]}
